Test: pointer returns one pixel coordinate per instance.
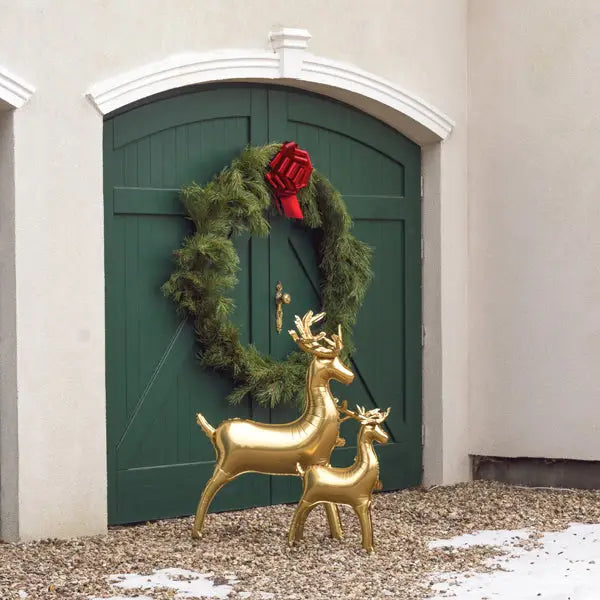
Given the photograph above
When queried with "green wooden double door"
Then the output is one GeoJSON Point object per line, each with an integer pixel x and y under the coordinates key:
{"type": "Point", "coordinates": [158, 458]}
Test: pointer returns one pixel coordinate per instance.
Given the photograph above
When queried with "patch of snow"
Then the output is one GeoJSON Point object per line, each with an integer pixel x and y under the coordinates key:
{"type": "Point", "coordinates": [565, 567]}
{"type": "Point", "coordinates": [186, 584]}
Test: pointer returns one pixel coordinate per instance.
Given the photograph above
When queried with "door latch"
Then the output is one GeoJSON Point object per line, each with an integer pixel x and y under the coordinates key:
{"type": "Point", "coordinates": [281, 298]}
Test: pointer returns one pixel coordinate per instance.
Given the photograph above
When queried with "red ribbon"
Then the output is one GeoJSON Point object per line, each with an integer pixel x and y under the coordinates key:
{"type": "Point", "coordinates": [289, 171]}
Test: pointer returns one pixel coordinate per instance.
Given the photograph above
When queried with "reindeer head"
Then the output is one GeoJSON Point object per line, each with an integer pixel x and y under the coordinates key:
{"type": "Point", "coordinates": [321, 347]}
{"type": "Point", "coordinates": [370, 421]}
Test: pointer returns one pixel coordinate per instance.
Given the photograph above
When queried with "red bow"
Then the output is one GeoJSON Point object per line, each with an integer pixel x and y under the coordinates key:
{"type": "Point", "coordinates": [289, 171]}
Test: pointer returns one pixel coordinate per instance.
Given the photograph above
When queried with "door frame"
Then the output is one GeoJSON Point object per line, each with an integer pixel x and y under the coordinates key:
{"type": "Point", "coordinates": [444, 358]}
{"type": "Point", "coordinates": [444, 381]}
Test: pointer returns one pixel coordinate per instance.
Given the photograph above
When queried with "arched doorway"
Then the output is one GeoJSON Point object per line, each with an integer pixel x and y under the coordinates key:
{"type": "Point", "coordinates": [158, 460]}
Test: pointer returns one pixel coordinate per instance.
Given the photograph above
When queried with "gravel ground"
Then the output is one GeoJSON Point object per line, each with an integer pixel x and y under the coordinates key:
{"type": "Point", "coordinates": [251, 545]}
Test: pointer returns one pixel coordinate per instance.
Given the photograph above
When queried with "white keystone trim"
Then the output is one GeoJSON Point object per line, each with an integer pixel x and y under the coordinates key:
{"type": "Point", "coordinates": [289, 60]}
{"type": "Point", "coordinates": [13, 90]}
{"type": "Point", "coordinates": [290, 44]}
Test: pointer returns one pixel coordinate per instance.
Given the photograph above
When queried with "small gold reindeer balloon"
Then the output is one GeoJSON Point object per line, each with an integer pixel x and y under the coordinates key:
{"type": "Point", "coordinates": [351, 485]}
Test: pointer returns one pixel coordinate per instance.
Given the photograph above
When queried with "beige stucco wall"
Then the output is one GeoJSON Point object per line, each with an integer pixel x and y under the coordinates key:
{"type": "Point", "coordinates": [534, 228]}
{"type": "Point", "coordinates": [63, 48]}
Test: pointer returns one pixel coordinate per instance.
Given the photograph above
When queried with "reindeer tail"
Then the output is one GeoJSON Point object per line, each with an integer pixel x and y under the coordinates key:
{"type": "Point", "coordinates": [300, 470]}
{"type": "Point", "coordinates": [208, 429]}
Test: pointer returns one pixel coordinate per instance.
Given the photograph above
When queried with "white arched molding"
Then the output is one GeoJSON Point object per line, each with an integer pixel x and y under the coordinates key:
{"type": "Point", "coordinates": [289, 64]}
{"type": "Point", "coordinates": [14, 92]}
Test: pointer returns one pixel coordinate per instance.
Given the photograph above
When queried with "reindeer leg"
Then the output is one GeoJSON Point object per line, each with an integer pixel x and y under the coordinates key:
{"type": "Point", "coordinates": [333, 518]}
{"type": "Point", "coordinates": [363, 512]}
{"type": "Point", "coordinates": [302, 522]}
{"type": "Point", "coordinates": [215, 483]}
{"type": "Point", "coordinates": [297, 526]}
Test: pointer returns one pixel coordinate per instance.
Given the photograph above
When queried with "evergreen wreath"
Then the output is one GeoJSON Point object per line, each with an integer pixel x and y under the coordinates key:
{"type": "Point", "coordinates": [237, 201]}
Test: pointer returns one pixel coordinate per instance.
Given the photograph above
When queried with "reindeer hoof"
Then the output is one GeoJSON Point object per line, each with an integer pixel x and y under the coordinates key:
{"type": "Point", "coordinates": [196, 535]}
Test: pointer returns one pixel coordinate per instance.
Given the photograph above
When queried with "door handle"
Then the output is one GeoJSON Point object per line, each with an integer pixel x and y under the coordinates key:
{"type": "Point", "coordinates": [281, 298]}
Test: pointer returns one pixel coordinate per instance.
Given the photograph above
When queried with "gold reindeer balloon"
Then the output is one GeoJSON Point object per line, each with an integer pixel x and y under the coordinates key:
{"type": "Point", "coordinates": [244, 446]}
{"type": "Point", "coordinates": [351, 485]}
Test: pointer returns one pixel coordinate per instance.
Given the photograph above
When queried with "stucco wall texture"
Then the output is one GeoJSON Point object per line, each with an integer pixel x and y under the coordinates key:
{"type": "Point", "coordinates": [62, 48]}
{"type": "Point", "coordinates": [534, 228]}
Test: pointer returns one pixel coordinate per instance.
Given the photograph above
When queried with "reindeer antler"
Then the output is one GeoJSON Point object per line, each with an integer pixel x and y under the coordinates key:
{"type": "Point", "coordinates": [344, 410]}
{"type": "Point", "coordinates": [375, 415]}
{"type": "Point", "coordinates": [312, 343]}
{"type": "Point", "coordinates": [382, 416]}
{"type": "Point", "coordinates": [361, 415]}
